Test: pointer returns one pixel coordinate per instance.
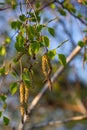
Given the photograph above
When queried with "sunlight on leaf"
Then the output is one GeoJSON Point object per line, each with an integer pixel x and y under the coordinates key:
{"type": "Point", "coordinates": [13, 88]}
{"type": "Point", "coordinates": [52, 53]}
{"type": "Point", "coordinates": [62, 59]}
{"type": "Point", "coordinates": [2, 50]}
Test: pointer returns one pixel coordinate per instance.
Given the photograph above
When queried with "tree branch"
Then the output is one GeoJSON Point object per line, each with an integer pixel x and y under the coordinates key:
{"type": "Point", "coordinates": [46, 5]}
{"type": "Point", "coordinates": [81, 20]}
{"type": "Point", "coordinates": [58, 122]}
{"type": "Point", "coordinates": [45, 87]}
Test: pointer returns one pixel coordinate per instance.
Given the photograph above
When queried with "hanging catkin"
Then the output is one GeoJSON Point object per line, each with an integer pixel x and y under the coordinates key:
{"type": "Point", "coordinates": [46, 68]}
{"type": "Point", "coordinates": [22, 100]}
{"type": "Point", "coordinates": [26, 96]}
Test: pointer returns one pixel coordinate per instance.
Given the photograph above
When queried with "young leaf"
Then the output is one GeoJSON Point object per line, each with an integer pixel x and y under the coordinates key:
{"type": "Point", "coordinates": [52, 6]}
{"type": "Point", "coordinates": [46, 41]}
{"type": "Point", "coordinates": [52, 54]}
{"type": "Point", "coordinates": [81, 44]}
{"type": "Point", "coordinates": [26, 77]}
{"type": "Point", "coordinates": [2, 70]}
{"type": "Point", "coordinates": [13, 3]}
{"type": "Point", "coordinates": [34, 48]}
{"type": "Point", "coordinates": [22, 17]}
{"type": "Point", "coordinates": [2, 50]}
{"type": "Point", "coordinates": [16, 25]}
{"type": "Point", "coordinates": [3, 97]}
{"type": "Point", "coordinates": [0, 114]}
{"type": "Point", "coordinates": [31, 32]}
{"type": "Point", "coordinates": [39, 27]}
{"type": "Point", "coordinates": [4, 105]}
{"type": "Point", "coordinates": [5, 120]}
{"type": "Point", "coordinates": [62, 59]}
{"type": "Point", "coordinates": [13, 88]}
{"type": "Point", "coordinates": [19, 45]}
{"type": "Point", "coordinates": [61, 11]}
{"type": "Point", "coordinates": [51, 31]}
{"type": "Point", "coordinates": [7, 40]}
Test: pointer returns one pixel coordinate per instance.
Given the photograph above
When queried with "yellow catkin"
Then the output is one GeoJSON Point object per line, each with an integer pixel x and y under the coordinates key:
{"type": "Point", "coordinates": [22, 99]}
{"type": "Point", "coordinates": [26, 95]}
{"type": "Point", "coordinates": [22, 111]}
{"type": "Point", "coordinates": [46, 68]}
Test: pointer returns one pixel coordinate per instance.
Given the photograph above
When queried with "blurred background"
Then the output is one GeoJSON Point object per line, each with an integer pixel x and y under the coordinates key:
{"type": "Point", "coordinates": [69, 95]}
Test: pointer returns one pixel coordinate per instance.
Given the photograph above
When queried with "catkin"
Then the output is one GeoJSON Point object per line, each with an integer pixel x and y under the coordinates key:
{"type": "Point", "coordinates": [26, 96]}
{"type": "Point", "coordinates": [22, 99]}
{"type": "Point", "coordinates": [22, 111]}
{"type": "Point", "coordinates": [46, 66]}
{"type": "Point", "coordinates": [46, 69]}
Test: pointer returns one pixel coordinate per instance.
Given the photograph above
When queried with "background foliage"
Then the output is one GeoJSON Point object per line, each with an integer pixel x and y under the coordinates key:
{"type": "Point", "coordinates": [29, 29]}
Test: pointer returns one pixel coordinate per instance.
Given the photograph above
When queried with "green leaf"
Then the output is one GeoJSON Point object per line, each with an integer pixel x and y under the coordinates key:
{"type": "Point", "coordinates": [5, 106]}
{"type": "Point", "coordinates": [62, 59]}
{"type": "Point", "coordinates": [61, 44]}
{"type": "Point", "coordinates": [51, 31]}
{"type": "Point", "coordinates": [22, 17]}
{"type": "Point", "coordinates": [26, 77]}
{"type": "Point", "coordinates": [2, 50]}
{"type": "Point", "coordinates": [1, 3]}
{"type": "Point", "coordinates": [39, 27]}
{"type": "Point", "coordinates": [0, 114]}
{"type": "Point", "coordinates": [34, 48]}
{"type": "Point", "coordinates": [69, 6]}
{"type": "Point", "coordinates": [5, 120]}
{"type": "Point", "coordinates": [79, 15]}
{"type": "Point", "coordinates": [7, 40]}
{"type": "Point", "coordinates": [13, 88]}
{"type": "Point", "coordinates": [19, 45]}
{"type": "Point", "coordinates": [85, 30]}
{"type": "Point", "coordinates": [81, 43]}
{"type": "Point", "coordinates": [16, 24]}
{"type": "Point", "coordinates": [34, 16]}
{"type": "Point", "coordinates": [14, 74]}
{"type": "Point", "coordinates": [2, 70]}
{"type": "Point", "coordinates": [3, 97]}
{"type": "Point", "coordinates": [46, 41]}
{"type": "Point", "coordinates": [52, 6]}
{"type": "Point", "coordinates": [37, 4]}
{"type": "Point", "coordinates": [52, 54]}
{"type": "Point", "coordinates": [84, 2]}
{"type": "Point", "coordinates": [37, 14]}
{"type": "Point", "coordinates": [13, 3]}
{"type": "Point", "coordinates": [31, 32]}
{"type": "Point", "coordinates": [61, 11]}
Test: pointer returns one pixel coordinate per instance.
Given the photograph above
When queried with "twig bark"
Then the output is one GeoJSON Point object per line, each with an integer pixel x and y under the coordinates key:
{"type": "Point", "coordinates": [58, 122]}
{"type": "Point", "coordinates": [45, 87]}
{"type": "Point", "coordinates": [80, 19]}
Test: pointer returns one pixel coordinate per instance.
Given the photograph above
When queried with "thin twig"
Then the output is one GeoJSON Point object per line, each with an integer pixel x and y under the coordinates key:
{"type": "Point", "coordinates": [81, 20]}
{"type": "Point", "coordinates": [58, 122]}
{"type": "Point", "coordinates": [45, 87]}
{"type": "Point", "coordinates": [49, 3]}
{"type": "Point", "coordinates": [67, 32]}
{"type": "Point", "coordinates": [46, 5]}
